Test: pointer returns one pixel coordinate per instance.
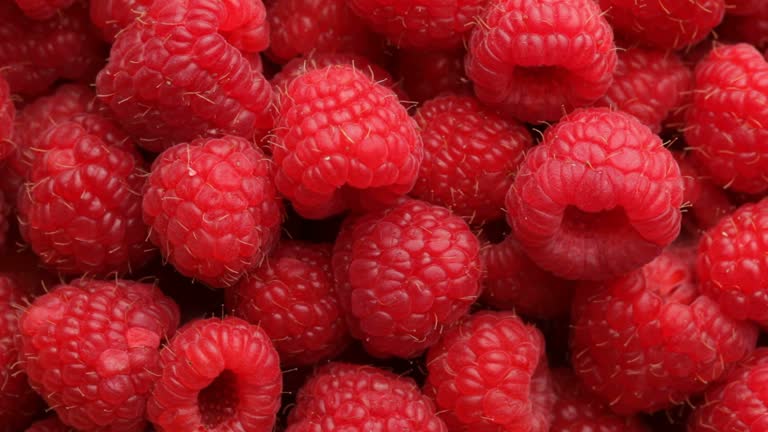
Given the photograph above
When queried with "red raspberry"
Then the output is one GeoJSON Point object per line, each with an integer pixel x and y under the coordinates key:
{"type": "Point", "coordinates": [470, 157]}
{"type": "Point", "coordinates": [707, 203]}
{"type": "Point", "coordinates": [342, 140]}
{"type": "Point", "coordinates": [744, 7]}
{"type": "Point", "coordinates": [598, 198]}
{"type": "Point", "coordinates": [42, 9]}
{"type": "Point", "coordinates": [405, 274]}
{"type": "Point", "coordinates": [649, 85]}
{"type": "Point", "coordinates": [577, 410]}
{"type": "Point", "coordinates": [301, 65]}
{"type": "Point", "coordinates": [292, 297]}
{"type": "Point", "coordinates": [52, 424]}
{"type": "Point", "coordinates": [752, 28]}
{"type": "Point", "coordinates": [489, 374]}
{"type": "Point", "coordinates": [179, 73]}
{"type": "Point", "coordinates": [649, 340]}
{"type": "Point", "coordinates": [112, 16]}
{"type": "Point", "coordinates": [212, 208]}
{"type": "Point", "coordinates": [435, 24]}
{"type": "Point", "coordinates": [342, 396]}
{"type": "Point", "coordinates": [429, 74]}
{"type": "Point", "coordinates": [7, 115]}
{"type": "Point", "coordinates": [727, 124]}
{"type": "Point", "coordinates": [90, 349]}
{"type": "Point", "coordinates": [217, 375]}
{"type": "Point", "coordinates": [535, 59]}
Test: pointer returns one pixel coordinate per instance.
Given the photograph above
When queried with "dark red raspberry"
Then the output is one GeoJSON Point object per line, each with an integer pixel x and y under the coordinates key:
{"type": "Point", "coordinates": [7, 116]}
{"type": "Point", "coordinates": [342, 396]}
{"type": "Point", "coordinates": [42, 9]}
{"type": "Point", "coordinates": [703, 201]}
{"type": "Point", "coordinates": [343, 140]}
{"type": "Point", "coordinates": [217, 375]}
{"type": "Point", "coordinates": [649, 340]}
{"type": "Point", "coordinates": [213, 209]}
{"type": "Point", "coordinates": [301, 65]}
{"type": "Point", "coordinates": [744, 7]}
{"type": "Point", "coordinates": [429, 74]}
{"type": "Point", "coordinates": [405, 274]}
{"type": "Point", "coordinates": [81, 208]}
{"type": "Point", "coordinates": [536, 59]}
{"type": "Point", "coordinates": [490, 374]}
{"type": "Point", "coordinates": [292, 297]}
{"type": "Point", "coordinates": [90, 349]}
{"type": "Point", "coordinates": [180, 73]}
{"type": "Point", "coordinates": [471, 156]}
{"type": "Point", "coordinates": [112, 16]}
{"type": "Point", "coordinates": [51, 424]}
{"type": "Point", "coordinates": [752, 28]}
{"type": "Point", "coordinates": [577, 410]}
{"type": "Point", "coordinates": [598, 198]}
{"type": "Point", "coordinates": [727, 125]}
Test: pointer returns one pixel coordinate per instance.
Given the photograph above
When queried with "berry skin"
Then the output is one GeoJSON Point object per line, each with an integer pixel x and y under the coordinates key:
{"type": "Point", "coordinates": [707, 203]}
{"type": "Point", "coordinates": [343, 140]}
{"type": "Point", "coordinates": [470, 157]}
{"type": "Point", "coordinates": [649, 85]}
{"type": "Point", "coordinates": [81, 208]}
{"type": "Point", "coordinates": [726, 125]}
{"type": "Point", "coordinates": [212, 208]}
{"type": "Point", "coordinates": [292, 297]}
{"type": "Point", "coordinates": [405, 274]}
{"type": "Point", "coordinates": [217, 375]}
{"type": "Point", "coordinates": [648, 340]}
{"type": "Point", "coordinates": [7, 116]}
{"type": "Point", "coordinates": [112, 16]}
{"type": "Point", "coordinates": [301, 65]}
{"type": "Point", "coordinates": [356, 398]}
{"type": "Point", "coordinates": [51, 424]}
{"type": "Point", "coordinates": [751, 28]}
{"type": "Point", "coordinates": [181, 72]}
{"type": "Point", "coordinates": [598, 198]}
{"type": "Point", "coordinates": [90, 349]}
{"type": "Point", "coordinates": [536, 59]}
{"type": "Point", "coordinates": [426, 75]}
{"type": "Point", "coordinates": [489, 373]}
{"type": "Point", "coordinates": [42, 9]}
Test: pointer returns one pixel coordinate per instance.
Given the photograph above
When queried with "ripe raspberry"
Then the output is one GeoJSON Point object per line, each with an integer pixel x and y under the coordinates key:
{"type": "Point", "coordinates": [42, 9]}
{"type": "Point", "coordinates": [301, 65]}
{"type": "Point", "coordinates": [51, 424]}
{"type": "Point", "coordinates": [90, 349]}
{"type": "Point", "coordinates": [489, 374]}
{"type": "Point", "coordinates": [649, 340]}
{"type": "Point", "coordinates": [217, 375]}
{"type": "Point", "coordinates": [470, 157]}
{"type": "Point", "coordinates": [179, 73]}
{"type": "Point", "coordinates": [598, 198]}
{"type": "Point", "coordinates": [752, 28]}
{"type": "Point", "coordinates": [212, 208]}
{"type": "Point", "coordinates": [726, 125]}
{"type": "Point", "coordinates": [405, 274]}
{"type": "Point", "coordinates": [292, 297]}
{"type": "Point", "coordinates": [5, 217]}
{"type": "Point", "coordinates": [426, 75]}
{"type": "Point", "coordinates": [744, 7]}
{"type": "Point", "coordinates": [112, 16]}
{"type": "Point", "coordinates": [577, 410]}
{"type": "Point", "coordinates": [342, 140]}
{"type": "Point", "coordinates": [535, 59]}
{"type": "Point", "coordinates": [707, 203]}
{"type": "Point", "coordinates": [343, 396]}
{"type": "Point", "coordinates": [7, 115]}
{"type": "Point", "coordinates": [649, 85]}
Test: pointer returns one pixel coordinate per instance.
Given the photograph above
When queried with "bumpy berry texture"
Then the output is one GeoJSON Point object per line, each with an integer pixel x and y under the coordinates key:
{"type": "Point", "coordinates": [90, 349]}
{"type": "Point", "coordinates": [536, 59]}
{"type": "Point", "coordinates": [648, 84]}
{"type": "Point", "coordinates": [217, 375]}
{"type": "Point", "coordinates": [292, 297]}
{"type": "Point", "coordinates": [343, 140]}
{"type": "Point", "coordinates": [51, 424]}
{"type": "Point", "coordinates": [42, 9]}
{"type": "Point", "coordinates": [180, 72]}
{"type": "Point", "coordinates": [301, 65]}
{"type": "Point", "coordinates": [7, 116]}
{"type": "Point", "coordinates": [212, 208]}
{"type": "Point", "coordinates": [649, 340]}
{"type": "Point", "coordinates": [81, 208]}
{"type": "Point", "coordinates": [405, 274]}
{"type": "Point", "coordinates": [726, 125]}
{"type": "Point", "coordinates": [489, 373]}
{"type": "Point", "coordinates": [598, 198]}
{"type": "Point", "coordinates": [703, 201]}
{"type": "Point", "coordinates": [670, 24]}
{"type": "Point", "coordinates": [342, 396]}
{"type": "Point", "coordinates": [434, 24]}
{"type": "Point", "coordinates": [426, 75]}
{"type": "Point", "coordinates": [112, 16]}
{"type": "Point", "coordinates": [470, 157]}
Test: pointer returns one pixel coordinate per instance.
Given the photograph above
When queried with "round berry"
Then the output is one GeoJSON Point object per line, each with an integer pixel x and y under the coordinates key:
{"type": "Point", "coordinates": [426, 75]}
{"type": "Point", "coordinates": [301, 65]}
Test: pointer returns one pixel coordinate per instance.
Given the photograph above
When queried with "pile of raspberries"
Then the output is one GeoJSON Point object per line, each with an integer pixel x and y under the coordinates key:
{"type": "Point", "coordinates": [383, 215]}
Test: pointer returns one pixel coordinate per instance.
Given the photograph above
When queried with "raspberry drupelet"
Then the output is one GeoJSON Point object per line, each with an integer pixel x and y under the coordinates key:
{"type": "Point", "coordinates": [112, 16]}
{"type": "Point", "coordinates": [42, 9]}
{"type": "Point", "coordinates": [705, 203]}
{"type": "Point", "coordinates": [7, 116]}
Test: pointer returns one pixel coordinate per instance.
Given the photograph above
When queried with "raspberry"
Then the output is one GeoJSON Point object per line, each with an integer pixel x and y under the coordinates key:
{"type": "Point", "coordinates": [301, 65]}
{"type": "Point", "coordinates": [42, 9]}
{"type": "Point", "coordinates": [81, 210]}
{"type": "Point", "coordinates": [435, 24]}
{"type": "Point", "coordinates": [707, 202]}
{"type": "Point", "coordinates": [342, 396]}
{"type": "Point", "coordinates": [535, 59]}
{"type": "Point", "coordinates": [7, 115]}
{"type": "Point", "coordinates": [426, 75]}
{"type": "Point", "coordinates": [292, 297]}
{"type": "Point", "coordinates": [112, 16]}
{"type": "Point", "coordinates": [90, 349]}
{"type": "Point", "coordinates": [470, 157]}
{"type": "Point", "coordinates": [649, 340]}
{"type": "Point", "coordinates": [217, 375]}
{"type": "Point", "coordinates": [577, 410]}
{"type": "Point", "coordinates": [725, 126]}
{"type": "Point", "coordinates": [51, 424]}
{"type": "Point", "coordinates": [489, 374]}
{"type": "Point", "coordinates": [343, 140]}
{"type": "Point", "coordinates": [649, 85]}
{"type": "Point", "coordinates": [744, 7]}
{"type": "Point", "coordinates": [598, 198]}
{"type": "Point", "coordinates": [752, 28]}
{"type": "Point", "coordinates": [179, 73]}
